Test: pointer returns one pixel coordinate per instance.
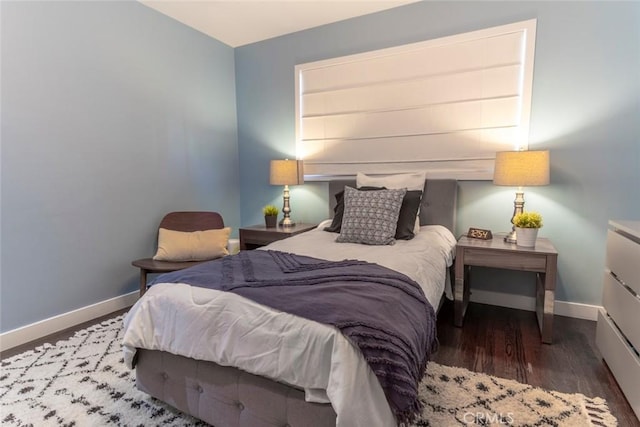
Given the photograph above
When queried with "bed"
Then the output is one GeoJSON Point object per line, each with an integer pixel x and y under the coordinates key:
{"type": "Point", "coordinates": [265, 372]}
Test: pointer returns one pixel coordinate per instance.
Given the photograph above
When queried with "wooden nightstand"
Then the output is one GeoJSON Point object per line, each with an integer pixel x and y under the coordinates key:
{"type": "Point", "coordinates": [254, 236]}
{"type": "Point", "coordinates": [498, 254]}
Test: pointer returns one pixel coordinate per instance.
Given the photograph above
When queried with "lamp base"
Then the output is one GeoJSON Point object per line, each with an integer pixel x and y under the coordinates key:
{"type": "Point", "coordinates": [286, 209]}
{"type": "Point", "coordinates": [286, 222]}
{"type": "Point", "coordinates": [518, 208]}
{"type": "Point", "coordinates": [511, 237]}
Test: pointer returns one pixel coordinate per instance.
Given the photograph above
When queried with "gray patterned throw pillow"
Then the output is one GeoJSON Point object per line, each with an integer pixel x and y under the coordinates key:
{"type": "Point", "coordinates": [370, 217]}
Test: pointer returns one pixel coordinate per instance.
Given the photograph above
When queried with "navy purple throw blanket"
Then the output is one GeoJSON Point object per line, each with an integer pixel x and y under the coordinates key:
{"type": "Point", "coordinates": [380, 310]}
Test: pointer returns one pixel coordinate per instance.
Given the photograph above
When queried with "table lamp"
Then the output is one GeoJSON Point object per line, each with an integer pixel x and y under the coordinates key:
{"type": "Point", "coordinates": [519, 169]}
{"type": "Point", "coordinates": [286, 172]}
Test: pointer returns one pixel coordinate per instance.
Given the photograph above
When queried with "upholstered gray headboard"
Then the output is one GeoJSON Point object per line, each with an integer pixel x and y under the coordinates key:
{"type": "Point", "coordinates": [438, 206]}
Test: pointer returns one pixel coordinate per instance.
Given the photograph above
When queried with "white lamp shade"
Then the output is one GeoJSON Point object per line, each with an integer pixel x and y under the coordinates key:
{"type": "Point", "coordinates": [286, 172]}
{"type": "Point", "coordinates": [521, 168]}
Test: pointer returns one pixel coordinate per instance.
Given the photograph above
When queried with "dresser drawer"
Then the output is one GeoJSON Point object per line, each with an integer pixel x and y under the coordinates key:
{"type": "Point", "coordinates": [622, 360]}
{"type": "Point", "coordinates": [623, 259]}
{"type": "Point", "coordinates": [623, 307]}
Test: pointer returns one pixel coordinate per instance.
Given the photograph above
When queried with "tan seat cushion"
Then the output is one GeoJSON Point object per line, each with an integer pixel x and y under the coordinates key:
{"type": "Point", "coordinates": [192, 246]}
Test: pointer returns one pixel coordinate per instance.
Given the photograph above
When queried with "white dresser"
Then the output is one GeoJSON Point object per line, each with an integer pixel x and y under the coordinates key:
{"type": "Point", "coordinates": [618, 331]}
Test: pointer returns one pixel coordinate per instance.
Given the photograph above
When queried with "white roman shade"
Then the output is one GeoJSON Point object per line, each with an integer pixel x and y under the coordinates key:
{"type": "Point", "coordinates": [445, 106]}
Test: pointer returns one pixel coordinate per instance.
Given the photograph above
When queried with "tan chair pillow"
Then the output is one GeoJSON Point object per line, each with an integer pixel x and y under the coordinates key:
{"type": "Point", "coordinates": [192, 246]}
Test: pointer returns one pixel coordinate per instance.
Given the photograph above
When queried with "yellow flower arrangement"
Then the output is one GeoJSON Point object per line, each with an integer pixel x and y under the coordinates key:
{"type": "Point", "coordinates": [270, 210]}
{"type": "Point", "coordinates": [528, 220]}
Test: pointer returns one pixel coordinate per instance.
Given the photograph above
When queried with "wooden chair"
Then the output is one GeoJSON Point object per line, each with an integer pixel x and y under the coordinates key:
{"type": "Point", "coordinates": [177, 221]}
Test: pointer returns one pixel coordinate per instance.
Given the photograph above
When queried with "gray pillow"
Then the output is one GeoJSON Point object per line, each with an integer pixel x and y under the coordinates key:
{"type": "Point", "coordinates": [370, 217]}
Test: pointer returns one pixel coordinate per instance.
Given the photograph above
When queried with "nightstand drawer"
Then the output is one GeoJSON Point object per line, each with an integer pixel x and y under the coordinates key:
{"type": "Point", "coordinates": [623, 307]}
{"type": "Point", "coordinates": [255, 236]}
{"type": "Point", "coordinates": [623, 259]}
{"type": "Point", "coordinates": [501, 259]}
{"type": "Point", "coordinates": [264, 238]}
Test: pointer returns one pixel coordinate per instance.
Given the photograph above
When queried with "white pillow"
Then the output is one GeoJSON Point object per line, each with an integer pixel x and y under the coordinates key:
{"type": "Point", "coordinates": [325, 223]}
{"type": "Point", "coordinates": [410, 181]}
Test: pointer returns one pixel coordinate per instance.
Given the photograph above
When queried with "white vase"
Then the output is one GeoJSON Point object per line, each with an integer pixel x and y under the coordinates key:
{"type": "Point", "coordinates": [526, 237]}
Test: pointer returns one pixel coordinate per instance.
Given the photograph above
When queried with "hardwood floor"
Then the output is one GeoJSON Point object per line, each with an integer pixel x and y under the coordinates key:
{"type": "Point", "coordinates": [506, 343]}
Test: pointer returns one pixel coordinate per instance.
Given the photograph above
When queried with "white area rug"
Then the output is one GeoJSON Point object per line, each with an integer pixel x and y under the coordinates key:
{"type": "Point", "coordinates": [82, 381]}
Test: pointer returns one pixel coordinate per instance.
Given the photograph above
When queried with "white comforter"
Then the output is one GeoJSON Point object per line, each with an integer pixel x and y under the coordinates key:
{"type": "Point", "coordinates": [230, 330]}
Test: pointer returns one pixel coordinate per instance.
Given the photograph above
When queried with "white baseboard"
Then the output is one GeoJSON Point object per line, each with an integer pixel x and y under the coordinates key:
{"type": "Point", "coordinates": [521, 302]}
{"type": "Point", "coordinates": [577, 310]}
{"type": "Point", "coordinates": [37, 330]}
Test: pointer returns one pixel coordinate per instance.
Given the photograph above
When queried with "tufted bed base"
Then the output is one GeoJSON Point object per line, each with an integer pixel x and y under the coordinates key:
{"type": "Point", "coordinates": [226, 396]}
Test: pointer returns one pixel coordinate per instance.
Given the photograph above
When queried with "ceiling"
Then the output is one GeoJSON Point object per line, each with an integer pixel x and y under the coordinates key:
{"type": "Point", "coordinates": [240, 22]}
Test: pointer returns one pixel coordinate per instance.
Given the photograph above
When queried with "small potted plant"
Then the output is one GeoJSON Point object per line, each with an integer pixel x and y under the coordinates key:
{"type": "Point", "coordinates": [527, 225]}
{"type": "Point", "coordinates": [270, 215]}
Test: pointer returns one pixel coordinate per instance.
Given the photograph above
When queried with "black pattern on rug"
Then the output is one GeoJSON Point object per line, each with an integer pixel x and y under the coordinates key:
{"type": "Point", "coordinates": [80, 382]}
{"type": "Point", "coordinates": [83, 381]}
{"type": "Point", "coordinates": [458, 397]}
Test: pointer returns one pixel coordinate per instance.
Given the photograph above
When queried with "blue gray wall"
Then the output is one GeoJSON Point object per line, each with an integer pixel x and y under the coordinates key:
{"type": "Point", "coordinates": [586, 110]}
{"type": "Point", "coordinates": [112, 114]}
